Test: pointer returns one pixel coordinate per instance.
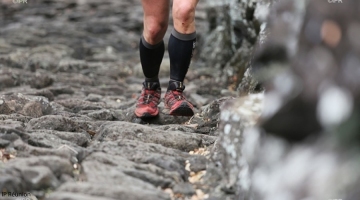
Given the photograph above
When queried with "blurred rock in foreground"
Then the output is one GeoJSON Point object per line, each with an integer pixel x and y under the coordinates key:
{"type": "Point", "coordinates": [306, 144]}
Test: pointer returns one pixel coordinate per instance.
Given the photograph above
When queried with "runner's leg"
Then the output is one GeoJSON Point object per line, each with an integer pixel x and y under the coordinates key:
{"type": "Point", "coordinates": [181, 45]}
{"type": "Point", "coordinates": [152, 48]}
{"type": "Point", "coordinates": [183, 38]}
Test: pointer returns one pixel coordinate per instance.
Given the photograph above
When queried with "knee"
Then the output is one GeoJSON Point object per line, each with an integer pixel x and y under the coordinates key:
{"type": "Point", "coordinates": [184, 13]}
{"type": "Point", "coordinates": [154, 30]}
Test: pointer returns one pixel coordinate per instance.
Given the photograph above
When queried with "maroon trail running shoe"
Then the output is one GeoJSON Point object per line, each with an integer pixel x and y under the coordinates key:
{"type": "Point", "coordinates": [176, 102]}
{"type": "Point", "coordinates": [147, 103]}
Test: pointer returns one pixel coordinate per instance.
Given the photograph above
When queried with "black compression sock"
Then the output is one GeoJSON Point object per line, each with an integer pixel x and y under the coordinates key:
{"type": "Point", "coordinates": [181, 47]}
{"type": "Point", "coordinates": [151, 57]}
{"type": "Point", "coordinates": [176, 85]}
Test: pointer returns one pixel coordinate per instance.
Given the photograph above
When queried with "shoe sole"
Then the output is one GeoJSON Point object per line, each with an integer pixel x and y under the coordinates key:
{"type": "Point", "coordinates": [146, 115]}
{"type": "Point", "coordinates": [182, 110]}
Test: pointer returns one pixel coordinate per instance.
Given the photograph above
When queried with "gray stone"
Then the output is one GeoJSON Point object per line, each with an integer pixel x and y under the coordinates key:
{"type": "Point", "coordinates": [76, 105]}
{"type": "Point", "coordinates": [7, 81]}
{"type": "Point", "coordinates": [68, 65]}
{"type": "Point", "coordinates": [150, 178]}
{"type": "Point", "coordinates": [125, 130]}
{"type": "Point", "coordinates": [114, 191]}
{"type": "Point", "coordinates": [4, 143]}
{"type": "Point", "coordinates": [146, 172]}
{"type": "Point", "coordinates": [41, 81]}
{"type": "Point", "coordinates": [53, 122]}
{"type": "Point", "coordinates": [4, 108]}
{"type": "Point", "coordinates": [33, 106]}
{"type": "Point", "coordinates": [61, 90]}
{"type": "Point", "coordinates": [32, 109]}
{"type": "Point", "coordinates": [13, 127]}
{"type": "Point", "coordinates": [101, 115]}
{"type": "Point", "coordinates": [74, 196]}
{"type": "Point", "coordinates": [47, 56]}
{"type": "Point", "coordinates": [25, 150]}
{"type": "Point", "coordinates": [212, 110]}
{"type": "Point", "coordinates": [93, 97]}
{"type": "Point", "coordinates": [116, 169]}
{"type": "Point", "coordinates": [184, 188]}
{"type": "Point", "coordinates": [74, 79]}
{"type": "Point", "coordinates": [25, 177]}
{"type": "Point", "coordinates": [233, 34]}
{"type": "Point", "coordinates": [56, 164]}
{"type": "Point", "coordinates": [38, 177]}
{"type": "Point", "coordinates": [55, 139]}
{"type": "Point", "coordinates": [197, 163]}
{"type": "Point", "coordinates": [249, 84]}
{"type": "Point", "coordinates": [99, 173]}
{"type": "Point", "coordinates": [162, 157]}
{"type": "Point", "coordinates": [229, 168]}
{"type": "Point", "coordinates": [16, 117]}
{"type": "Point", "coordinates": [45, 93]}
{"type": "Point", "coordinates": [176, 127]}
{"type": "Point", "coordinates": [11, 182]}
{"type": "Point", "coordinates": [206, 122]}
{"type": "Point", "coordinates": [9, 137]}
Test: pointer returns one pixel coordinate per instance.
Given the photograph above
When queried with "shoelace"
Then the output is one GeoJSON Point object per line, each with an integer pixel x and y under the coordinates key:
{"type": "Point", "coordinates": [148, 96]}
{"type": "Point", "coordinates": [178, 96]}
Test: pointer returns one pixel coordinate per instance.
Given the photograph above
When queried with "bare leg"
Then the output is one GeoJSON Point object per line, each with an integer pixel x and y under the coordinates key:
{"type": "Point", "coordinates": [184, 15]}
{"type": "Point", "coordinates": [183, 39]}
{"type": "Point", "coordinates": [182, 42]}
{"type": "Point", "coordinates": [156, 19]}
{"type": "Point", "coordinates": [152, 48]}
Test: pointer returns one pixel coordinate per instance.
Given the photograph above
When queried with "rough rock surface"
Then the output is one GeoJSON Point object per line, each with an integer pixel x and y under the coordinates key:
{"type": "Point", "coordinates": [234, 29]}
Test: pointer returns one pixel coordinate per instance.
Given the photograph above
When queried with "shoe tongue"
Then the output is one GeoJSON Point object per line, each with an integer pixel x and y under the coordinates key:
{"type": "Point", "coordinates": [176, 85]}
{"type": "Point", "coordinates": [151, 85]}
